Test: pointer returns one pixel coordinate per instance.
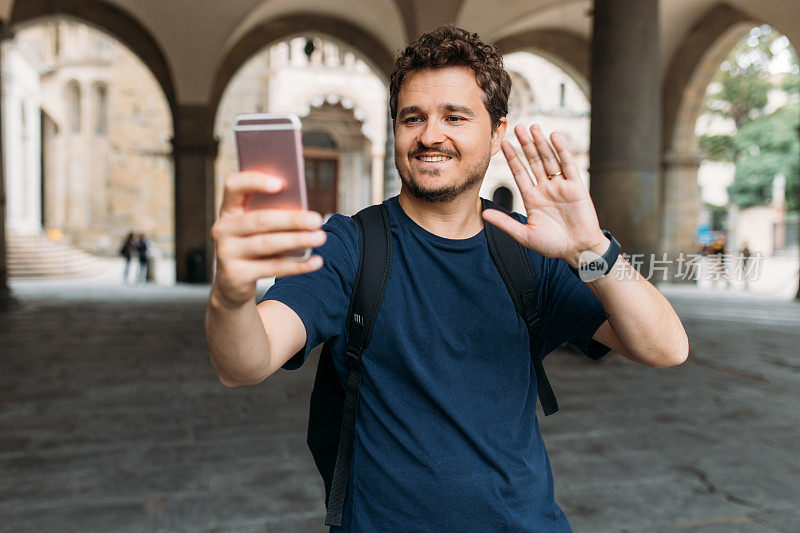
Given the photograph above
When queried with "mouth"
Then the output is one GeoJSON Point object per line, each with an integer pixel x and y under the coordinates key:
{"type": "Point", "coordinates": [433, 159]}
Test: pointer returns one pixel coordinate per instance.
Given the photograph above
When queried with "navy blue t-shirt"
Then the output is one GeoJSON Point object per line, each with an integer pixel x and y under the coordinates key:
{"type": "Point", "coordinates": [447, 437]}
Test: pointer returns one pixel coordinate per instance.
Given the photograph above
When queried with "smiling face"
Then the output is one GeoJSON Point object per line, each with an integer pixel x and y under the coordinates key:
{"type": "Point", "coordinates": [443, 133]}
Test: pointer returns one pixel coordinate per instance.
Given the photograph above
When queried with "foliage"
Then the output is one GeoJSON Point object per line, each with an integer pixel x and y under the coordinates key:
{"type": "Point", "coordinates": [718, 147]}
{"type": "Point", "coordinates": [766, 147]}
{"type": "Point", "coordinates": [764, 144]}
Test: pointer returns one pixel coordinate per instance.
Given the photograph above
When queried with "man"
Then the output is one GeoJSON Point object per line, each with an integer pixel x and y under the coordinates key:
{"type": "Point", "coordinates": [446, 434]}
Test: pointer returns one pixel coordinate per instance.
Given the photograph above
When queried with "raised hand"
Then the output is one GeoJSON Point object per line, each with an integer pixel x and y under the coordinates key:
{"type": "Point", "coordinates": [562, 221]}
{"type": "Point", "coordinates": [248, 243]}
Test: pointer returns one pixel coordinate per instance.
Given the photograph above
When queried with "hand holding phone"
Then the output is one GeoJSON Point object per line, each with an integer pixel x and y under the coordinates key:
{"type": "Point", "coordinates": [271, 143]}
{"type": "Point", "coordinates": [260, 222]}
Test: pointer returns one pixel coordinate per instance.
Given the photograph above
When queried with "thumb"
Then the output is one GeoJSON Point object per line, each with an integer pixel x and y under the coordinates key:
{"type": "Point", "coordinates": [239, 185]}
{"type": "Point", "coordinates": [513, 227]}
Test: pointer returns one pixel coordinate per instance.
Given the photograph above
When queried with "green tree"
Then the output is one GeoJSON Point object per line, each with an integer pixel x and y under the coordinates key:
{"type": "Point", "coordinates": [766, 147]}
{"type": "Point", "coordinates": [763, 145]}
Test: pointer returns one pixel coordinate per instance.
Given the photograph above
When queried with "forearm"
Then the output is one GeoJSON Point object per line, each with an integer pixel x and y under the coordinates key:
{"type": "Point", "coordinates": [642, 319]}
{"type": "Point", "coordinates": [238, 343]}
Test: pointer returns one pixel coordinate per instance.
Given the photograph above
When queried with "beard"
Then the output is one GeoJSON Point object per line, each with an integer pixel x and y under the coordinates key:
{"type": "Point", "coordinates": [445, 193]}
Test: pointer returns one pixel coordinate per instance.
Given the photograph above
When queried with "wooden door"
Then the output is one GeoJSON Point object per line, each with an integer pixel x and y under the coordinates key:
{"type": "Point", "coordinates": [321, 179]}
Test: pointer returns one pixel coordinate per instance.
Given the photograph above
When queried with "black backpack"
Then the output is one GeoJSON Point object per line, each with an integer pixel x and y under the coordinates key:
{"type": "Point", "coordinates": [332, 417]}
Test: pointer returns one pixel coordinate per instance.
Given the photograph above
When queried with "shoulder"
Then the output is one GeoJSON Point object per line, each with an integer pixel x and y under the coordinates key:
{"type": "Point", "coordinates": [343, 235]}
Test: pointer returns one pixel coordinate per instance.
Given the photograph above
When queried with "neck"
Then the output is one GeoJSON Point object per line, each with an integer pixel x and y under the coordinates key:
{"type": "Point", "coordinates": [457, 219]}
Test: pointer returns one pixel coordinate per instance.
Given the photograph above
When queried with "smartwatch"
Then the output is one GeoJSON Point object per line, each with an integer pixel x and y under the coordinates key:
{"type": "Point", "coordinates": [594, 268]}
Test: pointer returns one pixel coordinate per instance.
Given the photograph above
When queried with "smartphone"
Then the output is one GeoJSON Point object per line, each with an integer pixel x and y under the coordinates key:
{"type": "Point", "coordinates": [271, 143]}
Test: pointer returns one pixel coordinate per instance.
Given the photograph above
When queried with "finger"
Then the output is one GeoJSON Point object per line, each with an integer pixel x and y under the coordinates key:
{"type": "Point", "coordinates": [549, 159]}
{"type": "Point", "coordinates": [267, 268]}
{"type": "Point", "coordinates": [529, 149]}
{"type": "Point", "coordinates": [506, 223]}
{"type": "Point", "coordinates": [568, 166]}
{"type": "Point", "coordinates": [268, 220]}
{"type": "Point", "coordinates": [521, 176]}
{"type": "Point", "coordinates": [241, 184]}
{"type": "Point", "coordinates": [269, 244]}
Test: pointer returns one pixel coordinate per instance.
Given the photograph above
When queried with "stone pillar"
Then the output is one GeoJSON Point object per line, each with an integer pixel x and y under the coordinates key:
{"type": "Point", "coordinates": [194, 150]}
{"type": "Point", "coordinates": [624, 153]}
{"type": "Point", "coordinates": [5, 293]}
{"type": "Point", "coordinates": [391, 179]}
{"type": "Point", "coordinates": [681, 205]}
{"type": "Point", "coordinates": [797, 296]}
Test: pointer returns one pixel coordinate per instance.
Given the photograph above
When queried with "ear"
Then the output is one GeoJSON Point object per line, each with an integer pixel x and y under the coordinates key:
{"type": "Point", "coordinates": [498, 134]}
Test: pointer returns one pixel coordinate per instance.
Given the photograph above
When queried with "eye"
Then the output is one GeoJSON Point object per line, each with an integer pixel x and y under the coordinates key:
{"type": "Point", "coordinates": [411, 120]}
{"type": "Point", "coordinates": [455, 118]}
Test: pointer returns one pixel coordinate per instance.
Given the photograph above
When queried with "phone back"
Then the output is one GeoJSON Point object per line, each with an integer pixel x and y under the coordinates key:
{"type": "Point", "coordinates": [271, 143]}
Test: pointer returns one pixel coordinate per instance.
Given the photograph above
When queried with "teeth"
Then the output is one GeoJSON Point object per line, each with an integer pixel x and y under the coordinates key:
{"type": "Point", "coordinates": [433, 159]}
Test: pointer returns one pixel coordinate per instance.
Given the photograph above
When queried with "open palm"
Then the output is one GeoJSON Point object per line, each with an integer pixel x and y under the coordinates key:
{"type": "Point", "coordinates": [562, 221]}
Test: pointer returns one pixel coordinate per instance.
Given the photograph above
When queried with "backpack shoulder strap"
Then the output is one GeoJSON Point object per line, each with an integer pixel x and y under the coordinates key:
{"type": "Point", "coordinates": [374, 265]}
{"type": "Point", "coordinates": [514, 264]}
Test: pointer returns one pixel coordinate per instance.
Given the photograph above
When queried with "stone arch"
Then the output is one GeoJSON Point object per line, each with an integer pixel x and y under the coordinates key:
{"type": "Point", "coordinates": [109, 19]}
{"type": "Point", "coordinates": [282, 28]}
{"type": "Point", "coordinates": [693, 66]}
{"type": "Point", "coordinates": [521, 97]}
{"type": "Point", "coordinates": [568, 51]}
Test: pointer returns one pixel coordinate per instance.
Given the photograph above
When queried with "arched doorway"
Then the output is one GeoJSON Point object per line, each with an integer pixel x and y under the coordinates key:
{"type": "Point", "coordinates": [697, 178]}
{"type": "Point", "coordinates": [342, 104]}
{"type": "Point", "coordinates": [100, 158]}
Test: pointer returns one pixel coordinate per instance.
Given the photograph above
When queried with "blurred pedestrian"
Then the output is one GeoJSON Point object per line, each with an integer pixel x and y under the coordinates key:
{"type": "Point", "coordinates": [127, 250]}
{"type": "Point", "coordinates": [745, 254]}
{"type": "Point", "coordinates": [142, 249]}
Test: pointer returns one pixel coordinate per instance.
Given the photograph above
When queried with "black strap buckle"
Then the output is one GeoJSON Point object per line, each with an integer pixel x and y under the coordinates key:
{"type": "Point", "coordinates": [352, 357]}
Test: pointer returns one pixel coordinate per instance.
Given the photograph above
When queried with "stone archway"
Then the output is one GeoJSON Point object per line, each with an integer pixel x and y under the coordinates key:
{"type": "Point", "coordinates": [110, 20]}
{"type": "Point", "coordinates": [331, 80]}
{"type": "Point", "coordinates": [566, 50]}
{"type": "Point", "coordinates": [278, 29]}
{"type": "Point", "coordinates": [694, 65]}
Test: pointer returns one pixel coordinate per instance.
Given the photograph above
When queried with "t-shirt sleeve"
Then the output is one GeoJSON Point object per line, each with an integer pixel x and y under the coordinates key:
{"type": "Point", "coordinates": [321, 298]}
{"type": "Point", "coordinates": [572, 313]}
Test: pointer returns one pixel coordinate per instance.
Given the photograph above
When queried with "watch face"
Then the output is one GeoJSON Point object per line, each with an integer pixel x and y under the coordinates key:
{"type": "Point", "coordinates": [591, 266]}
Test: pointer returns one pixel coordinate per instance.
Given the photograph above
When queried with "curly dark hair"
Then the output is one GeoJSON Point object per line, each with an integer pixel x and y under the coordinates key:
{"type": "Point", "coordinates": [448, 46]}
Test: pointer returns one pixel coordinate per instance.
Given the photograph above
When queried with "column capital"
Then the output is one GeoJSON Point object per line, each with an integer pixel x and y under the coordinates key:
{"type": "Point", "coordinates": [7, 31]}
{"type": "Point", "coordinates": [194, 130]}
{"type": "Point", "coordinates": [674, 159]}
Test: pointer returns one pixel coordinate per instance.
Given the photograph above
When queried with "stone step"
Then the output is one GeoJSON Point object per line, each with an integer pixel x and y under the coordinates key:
{"type": "Point", "coordinates": [36, 256]}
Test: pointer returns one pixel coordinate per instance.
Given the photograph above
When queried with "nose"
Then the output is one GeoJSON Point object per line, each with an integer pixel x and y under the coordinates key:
{"type": "Point", "coordinates": [432, 134]}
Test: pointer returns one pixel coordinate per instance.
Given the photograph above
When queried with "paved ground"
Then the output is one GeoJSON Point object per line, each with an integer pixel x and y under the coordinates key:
{"type": "Point", "coordinates": [111, 419]}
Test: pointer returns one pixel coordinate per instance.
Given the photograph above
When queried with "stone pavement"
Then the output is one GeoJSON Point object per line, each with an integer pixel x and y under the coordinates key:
{"type": "Point", "coordinates": [111, 419]}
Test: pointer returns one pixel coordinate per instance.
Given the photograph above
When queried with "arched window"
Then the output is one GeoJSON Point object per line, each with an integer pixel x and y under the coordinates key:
{"type": "Point", "coordinates": [503, 197]}
{"type": "Point", "coordinates": [74, 106]}
{"type": "Point", "coordinates": [101, 109]}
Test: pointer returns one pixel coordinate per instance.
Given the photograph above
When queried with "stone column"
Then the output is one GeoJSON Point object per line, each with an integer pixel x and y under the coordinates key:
{"type": "Point", "coordinates": [194, 150]}
{"type": "Point", "coordinates": [797, 296]}
{"type": "Point", "coordinates": [624, 153]}
{"type": "Point", "coordinates": [5, 293]}
{"type": "Point", "coordinates": [391, 179]}
{"type": "Point", "coordinates": [681, 205]}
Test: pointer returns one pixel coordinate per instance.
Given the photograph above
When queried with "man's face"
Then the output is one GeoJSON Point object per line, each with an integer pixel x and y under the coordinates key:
{"type": "Point", "coordinates": [443, 133]}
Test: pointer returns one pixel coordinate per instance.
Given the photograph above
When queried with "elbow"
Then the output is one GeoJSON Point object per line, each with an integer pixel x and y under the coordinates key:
{"type": "Point", "coordinates": [233, 383]}
{"type": "Point", "coordinates": [675, 356]}
{"type": "Point", "coordinates": [230, 383]}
